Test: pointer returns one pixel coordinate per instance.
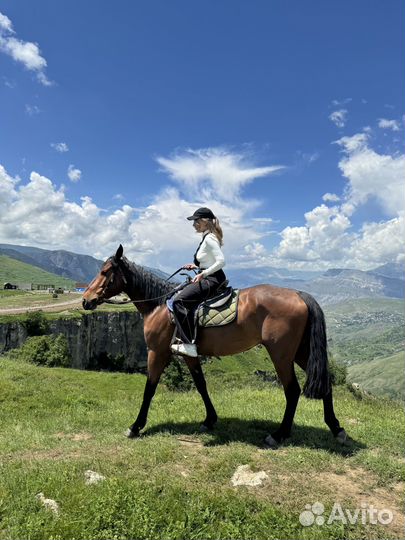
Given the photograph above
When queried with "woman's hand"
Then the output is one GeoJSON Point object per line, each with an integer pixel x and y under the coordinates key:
{"type": "Point", "coordinates": [190, 266]}
{"type": "Point", "coordinates": [197, 278]}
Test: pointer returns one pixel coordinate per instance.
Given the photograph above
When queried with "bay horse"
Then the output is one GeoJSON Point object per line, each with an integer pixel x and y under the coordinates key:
{"type": "Point", "coordinates": [290, 324]}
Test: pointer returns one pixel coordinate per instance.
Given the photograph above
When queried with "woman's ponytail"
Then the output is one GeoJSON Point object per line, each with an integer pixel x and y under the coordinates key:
{"type": "Point", "coordinates": [215, 228]}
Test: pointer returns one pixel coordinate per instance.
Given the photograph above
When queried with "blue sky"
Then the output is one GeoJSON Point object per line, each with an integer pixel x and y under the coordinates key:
{"type": "Point", "coordinates": [117, 121]}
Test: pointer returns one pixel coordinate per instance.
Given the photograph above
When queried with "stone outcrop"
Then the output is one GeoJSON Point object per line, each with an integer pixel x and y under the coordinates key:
{"type": "Point", "coordinates": [97, 340]}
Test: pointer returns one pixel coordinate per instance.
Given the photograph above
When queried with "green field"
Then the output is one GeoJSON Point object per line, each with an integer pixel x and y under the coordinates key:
{"type": "Point", "coordinates": [14, 271]}
{"type": "Point", "coordinates": [31, 299]}
{"type": "Point", "coordinates": [175, 483]}
{"type": "Point", "coordinates": [382, 377]}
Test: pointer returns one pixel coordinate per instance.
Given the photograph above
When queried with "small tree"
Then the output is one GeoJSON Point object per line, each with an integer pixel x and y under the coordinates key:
{"type": "Point", "coordinates": [338, 372]}
{"type": "Point", "coordinates": [36, 323]}
{"type": "Point", "coordinates": [50, 351]}
{"type": "Point", "coordinates": [177, 376]}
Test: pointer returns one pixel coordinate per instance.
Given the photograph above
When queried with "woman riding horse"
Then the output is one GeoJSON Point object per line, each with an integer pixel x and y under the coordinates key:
{"type": "Point", "coordinates": [289, 323]}
{"type": "Point", "coordinates": [210, 260]}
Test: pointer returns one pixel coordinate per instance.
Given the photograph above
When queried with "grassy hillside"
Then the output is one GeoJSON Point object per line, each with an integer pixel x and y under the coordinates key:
{"type": "Point", "coordinates": [16, 271]}
{"type": "Point", "coordinates": [382, 377]}
{"type": "Point", "coordinates": [174, 483]}
{"type": "Point", "coordinates": [364, 329]}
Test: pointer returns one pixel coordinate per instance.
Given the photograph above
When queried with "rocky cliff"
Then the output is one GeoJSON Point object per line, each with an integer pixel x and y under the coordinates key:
{"type": "Point", "coordinates": [96, 340]}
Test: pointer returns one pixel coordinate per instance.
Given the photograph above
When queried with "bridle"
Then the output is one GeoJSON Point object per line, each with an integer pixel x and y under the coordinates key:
{"type": "Point", "coordinates": [109, 279]}
{"type": "Point", "coordinates": [114, 265]}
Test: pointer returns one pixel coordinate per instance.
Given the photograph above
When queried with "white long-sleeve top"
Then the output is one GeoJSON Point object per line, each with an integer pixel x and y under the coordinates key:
{"type": "Point", "coordinates": [210, 255]}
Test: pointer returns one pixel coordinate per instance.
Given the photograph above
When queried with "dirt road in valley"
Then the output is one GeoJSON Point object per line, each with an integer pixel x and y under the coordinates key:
{"type": "Point", "coordinates": [47, 307]}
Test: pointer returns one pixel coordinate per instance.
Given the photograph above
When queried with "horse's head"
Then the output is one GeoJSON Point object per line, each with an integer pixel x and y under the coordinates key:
{"type": "Point", "coordinates": [108, 282]}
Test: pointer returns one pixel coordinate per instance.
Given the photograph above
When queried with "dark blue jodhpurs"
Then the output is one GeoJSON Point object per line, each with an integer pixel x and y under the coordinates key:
{"type": "Point", "coordinates": [186, 300]}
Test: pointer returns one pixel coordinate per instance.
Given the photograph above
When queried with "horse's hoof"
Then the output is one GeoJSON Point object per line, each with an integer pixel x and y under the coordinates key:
{"type": "Point", "coordinates": [270, 442]}
{"type": "Point", "coordinates": [342, 437]}
{"type": "Point", "coordinates": [129, 434]}
{"type": "Point", "coordinates": [206, 429]}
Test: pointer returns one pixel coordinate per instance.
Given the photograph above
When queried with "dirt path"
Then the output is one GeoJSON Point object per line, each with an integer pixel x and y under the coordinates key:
{"type": "Point", "coordinates": [49, 307]}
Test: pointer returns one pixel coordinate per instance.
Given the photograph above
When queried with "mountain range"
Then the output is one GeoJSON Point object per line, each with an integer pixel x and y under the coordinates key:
{"type": "Point", "coordinates": [332, 286]}
{"type": "Point", "coordinates": [64, 263]}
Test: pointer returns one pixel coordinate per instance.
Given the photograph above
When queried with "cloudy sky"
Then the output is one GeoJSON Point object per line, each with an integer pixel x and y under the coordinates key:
{"type": "Point", "coordinates": [286, 118]}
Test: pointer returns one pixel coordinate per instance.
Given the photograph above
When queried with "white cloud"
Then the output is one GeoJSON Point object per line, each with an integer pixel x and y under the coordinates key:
{"type": "Point", "coordinates": [264, 220]}
{"type": "Point", "coordinates": [158, 234]}
{"type": "Point", "coordinates": [214, 173]}
{"type": "Point", "coordinates": [378, 243]}
{"type": "Point", "coordinates": [32, 110]}
{"type": "Point", "coordinates": [338, 103]}
{"type": "Point", "coordinates": [7, 190]}
{"type": "Point", "coordinates": [339, 117]}
{"type": "Point", "coordinates": [353, 143]}
{"type": "Point", "coordinates": [324, 236]}
{"type": "Point", "coordinates": [24, 52]}
{"type": "Point", "coordinates": [383, 123]}
{"type": "Point", "coordinates": [328, 237]}
{"type": "Point", "coordinates": [5, 24]}
{"type": "Point", "coordinates": [74, 174]}
{"type": "Point", "coordinates": [371, 174]}
{"type": "Point", "coordinates": [330, 197]}
{"type": "Point", "coordinates": [8, 82]}
{"type": "Point", "coordinates": [60, 147]}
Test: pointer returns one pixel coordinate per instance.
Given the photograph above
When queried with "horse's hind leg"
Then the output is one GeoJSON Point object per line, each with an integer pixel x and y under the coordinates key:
{"type": "Point", "coordinates": [285, 370]}
{"type": "Point", "coordinates": [156, 365]}
{"type": "Point", "coordinates": [331, 421]}
{"type": "Point", "coordinates": [328, 411]}
{"type": "Point", "coordinates": [198, 376]}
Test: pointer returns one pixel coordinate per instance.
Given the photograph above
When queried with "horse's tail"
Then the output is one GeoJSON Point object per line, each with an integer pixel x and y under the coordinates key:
{"type": "Point", "coordinates": [318, 383]}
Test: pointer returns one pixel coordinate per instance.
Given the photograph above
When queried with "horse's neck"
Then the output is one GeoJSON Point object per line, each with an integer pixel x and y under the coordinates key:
{"type": "Point", "coordinates": [136, 289]}
{"type": "Point", "coordinates": [137, 293]}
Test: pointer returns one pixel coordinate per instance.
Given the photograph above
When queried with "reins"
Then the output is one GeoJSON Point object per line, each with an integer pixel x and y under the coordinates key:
{"type": "Point", "coordinates": [120, 302]}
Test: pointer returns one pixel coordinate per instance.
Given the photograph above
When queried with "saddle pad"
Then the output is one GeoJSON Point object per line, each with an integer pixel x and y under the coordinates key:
{"type": "Point", "coordinates": [225, 314]}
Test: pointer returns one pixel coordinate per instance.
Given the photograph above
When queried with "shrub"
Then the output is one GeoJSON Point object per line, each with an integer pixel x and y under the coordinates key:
{"type": "Point", "coordinates": [338, 372]}
{"type": "Point", "coordinates": [108, 362]}
{"type": "Point", "coordinates": [177, 376]}
{"type": "Point", "coordinates": [50, 351]}
{"type": "Point", "coordinates": [36, 323]}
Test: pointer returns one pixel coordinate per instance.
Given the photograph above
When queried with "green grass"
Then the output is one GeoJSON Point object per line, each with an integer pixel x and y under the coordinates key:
{"type": "Point", "coordinates": [34, 299]}
{"type": "Point", "coordinates": [174, 483]}
{"type": "Point", "coordinates": [382, 377]}
{"type": "Point", "coordinates": [14, 271]}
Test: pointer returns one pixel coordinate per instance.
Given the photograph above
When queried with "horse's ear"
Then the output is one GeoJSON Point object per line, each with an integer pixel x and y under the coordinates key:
{"type": "Point", "coordinates": [119, 253]}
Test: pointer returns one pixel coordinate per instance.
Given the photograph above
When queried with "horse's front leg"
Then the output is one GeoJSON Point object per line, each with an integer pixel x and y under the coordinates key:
{"type": "Point", "coordinates": [156, 365]}
{"type": "Point", "coordinates": [198, 376]}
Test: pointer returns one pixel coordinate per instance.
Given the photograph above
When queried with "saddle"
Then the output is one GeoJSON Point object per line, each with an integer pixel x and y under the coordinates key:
{"type": "Point", "coordinates": [218, 310]}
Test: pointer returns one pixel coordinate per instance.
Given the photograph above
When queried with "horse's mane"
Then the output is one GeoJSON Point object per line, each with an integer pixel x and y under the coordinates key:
{"type": "Point", "coordinates": [147, 283]}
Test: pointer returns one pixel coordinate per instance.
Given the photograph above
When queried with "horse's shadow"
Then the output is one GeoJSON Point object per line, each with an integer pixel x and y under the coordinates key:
{"type": "Point", "coordinates": [253, 432]}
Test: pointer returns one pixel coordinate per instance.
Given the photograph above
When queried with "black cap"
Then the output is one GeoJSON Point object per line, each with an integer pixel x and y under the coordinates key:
{"type": "Point", "coordinates": [202, 213]}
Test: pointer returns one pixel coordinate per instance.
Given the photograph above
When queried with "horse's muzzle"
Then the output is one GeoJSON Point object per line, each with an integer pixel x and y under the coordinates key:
{"type": "Point", "coordinates": [89, 305]}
